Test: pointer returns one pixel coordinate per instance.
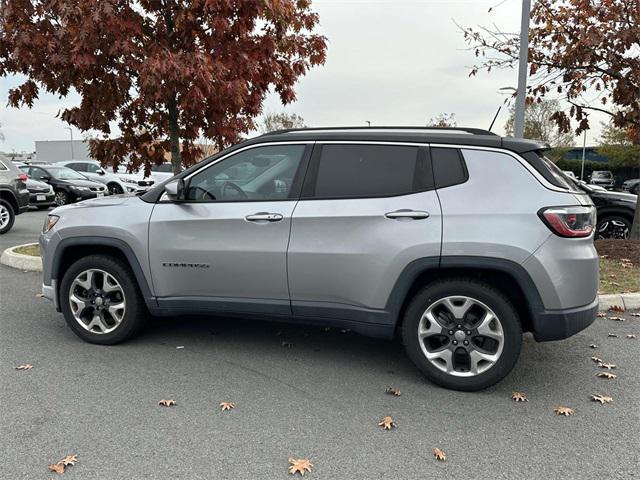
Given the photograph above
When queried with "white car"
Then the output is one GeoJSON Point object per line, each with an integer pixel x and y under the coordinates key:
{"type": "Point", "coordinates": [134, 180]}
{"type": "Point", "coordinates": [161, 172]}
{"type": "Point", "coordinates": [93, 171]}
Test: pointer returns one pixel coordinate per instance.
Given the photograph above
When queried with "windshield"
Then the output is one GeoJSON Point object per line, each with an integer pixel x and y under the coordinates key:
{"type": "Point", "coordinates": [602, 174]}
{"type": "Point", "coordinates": [63, 173]}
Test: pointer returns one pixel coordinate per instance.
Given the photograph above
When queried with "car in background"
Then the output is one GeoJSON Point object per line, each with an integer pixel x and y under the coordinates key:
{"type": "Point", "coordinates": [94, 171]}
{"type": "Point", "coordinates": [161, 172]}
{"type": "Point", "coordinates": [603, 178]}
{"type": "Point", "coordinates": [41, 195]}
{"type": "Point", "coordinates": [615, 211]}
{"type": "Point", "coordinates": [68, 185]}
{"type": "Point", "coordinates": [134, 180]}
{"type": "Point", "coordinates": [631, 186]}
{"type": "Point", "coordinates": [570, 174]}
{"type": "Point", "coordinates": [14, 196]}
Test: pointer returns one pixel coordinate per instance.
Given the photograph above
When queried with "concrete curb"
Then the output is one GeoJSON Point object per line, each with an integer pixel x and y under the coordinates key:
{"type": "Point", "coordinates": [22, 262]}
{"type": "Point", "coordinates": [628, 301]}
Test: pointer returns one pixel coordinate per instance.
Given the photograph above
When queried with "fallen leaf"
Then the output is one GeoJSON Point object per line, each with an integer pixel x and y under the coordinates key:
{"type": "Point", "coordinates": [607, 375]}
{"type": "Point", "coordinates": [69, 460]}
{"type": "Point", "coordinates": [387, 423]}
{"type": "Point", "coordinates": [602, 314]}
{"type": "Point", "coordinates": [612, 335]}
{"type": "Point", "coordinates": [608, 366]}
{"type": "Point", "coordinates": [617, 319]}
{"type": "Point", "coordinates": [226, 406]}
{"type": "Point", "coordinates": [166, 403]}
{"type": "Point", "coordinates": [26, 366]}
{"type": "Point", "coordinates": [566, 411]}
{"type": "Point", "coordinates": [593, 345]}
{"type": "Point", "coordinates": [627, 265]}
{"type": "Point", "coordinates": [439, 454]}
{"type": "Point", "coordinates": [616, 308]}
{"type": "Point", "coordinates": [631, 336]}
{"type": "Point", "coordinates": [601, 398]}
{"type": "Point", "coordinates": [625, 260]}
{"type": "Point", "coordinates": [39, 295]}
{"type": "Point", "coordinates": [604, 256]}
{"type": "Point", "coordinates": [57, 468]}
{"type": "Point", "coordinates": [300, 465]}
{"type": "Point", "coordinates": [519, 397]}
{"type": "Point", "coordinates": [612, 275]}
{"type": "Point", "coordinates": [596, 359]}
{"type": "Point", "coordinates": [392, 391]}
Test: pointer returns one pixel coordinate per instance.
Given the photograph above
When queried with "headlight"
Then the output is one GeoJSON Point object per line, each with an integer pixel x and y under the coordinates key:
{"type": "Point", "coordinates": [50, 222]}
{"type": "Point", "coordinates": [82, 189]}
{"type": "Point", "coordinates": [50, 189]}
{"type": "Point", "coordinates": [128, 180]}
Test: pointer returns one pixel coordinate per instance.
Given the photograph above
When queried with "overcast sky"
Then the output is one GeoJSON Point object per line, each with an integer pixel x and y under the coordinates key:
{"type": "Point", "coordinates": [391, 62]}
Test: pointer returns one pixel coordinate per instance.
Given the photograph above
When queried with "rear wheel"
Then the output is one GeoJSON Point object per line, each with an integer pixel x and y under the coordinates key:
{"type": "Point", "coordinates": [7, 216]}
{"type": "Point", "coordinates": [101, 301]}
{"type": "Point", "coordinates": [462, 334]}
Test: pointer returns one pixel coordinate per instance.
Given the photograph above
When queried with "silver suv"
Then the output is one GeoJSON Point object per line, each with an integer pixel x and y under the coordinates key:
{"type": "Point", "coordinates": [455, 241]}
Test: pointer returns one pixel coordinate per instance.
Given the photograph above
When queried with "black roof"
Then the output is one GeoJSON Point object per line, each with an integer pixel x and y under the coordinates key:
{"type": "Point", "coordinates": [455, 136]}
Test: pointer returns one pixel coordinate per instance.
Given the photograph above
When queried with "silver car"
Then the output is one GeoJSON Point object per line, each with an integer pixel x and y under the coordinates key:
{"type": "Point", "coordinates": [455, 241]}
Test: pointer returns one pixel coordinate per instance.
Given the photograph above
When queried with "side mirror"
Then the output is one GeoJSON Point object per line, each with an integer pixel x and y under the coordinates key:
{"type": "Point", "coordinates": [175, 190]}
{"type": "Point", "coordinates": [100, 171]}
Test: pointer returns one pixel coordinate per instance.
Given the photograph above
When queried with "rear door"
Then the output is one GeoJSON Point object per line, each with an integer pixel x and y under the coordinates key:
{"type": "Point", "coordinates": [367, 210]}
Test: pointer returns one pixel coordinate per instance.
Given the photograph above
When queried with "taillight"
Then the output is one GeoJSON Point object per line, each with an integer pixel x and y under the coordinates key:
{"type": "Point", "coordinates": [23, 177]}
{"type": "Point", "coordinates": [573, 222]}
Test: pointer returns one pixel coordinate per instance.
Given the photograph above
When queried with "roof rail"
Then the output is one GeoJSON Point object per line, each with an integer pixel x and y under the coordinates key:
{"type": "Point", "coordinates": [472, 131]}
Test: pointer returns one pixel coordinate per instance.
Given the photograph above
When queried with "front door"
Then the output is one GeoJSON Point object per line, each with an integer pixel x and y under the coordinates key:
{"type": "Point", "coordinates": [225, 246]}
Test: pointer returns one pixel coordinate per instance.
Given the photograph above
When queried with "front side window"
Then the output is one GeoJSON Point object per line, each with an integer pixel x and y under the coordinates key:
{"type": "Point", "coordinates": [78, 167]}
{"type": "Point", "coordinates": [37, 173]}
{"type": "Point", "coordinates": [352, 170]}
{"type": "Point", "coordinates": [257, 174]}
{"type": "Point", "coordinates": [63, 173]}
{"type": "Point", "coordinates": [90, 167]}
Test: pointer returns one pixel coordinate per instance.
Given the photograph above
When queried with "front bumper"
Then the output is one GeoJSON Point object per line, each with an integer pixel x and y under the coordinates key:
{"type": "Point", "coordinates": [551, 325]}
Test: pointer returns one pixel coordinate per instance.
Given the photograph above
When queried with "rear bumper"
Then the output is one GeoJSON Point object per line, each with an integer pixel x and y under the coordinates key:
{"type": "Point", "coordinates": [551, 325]}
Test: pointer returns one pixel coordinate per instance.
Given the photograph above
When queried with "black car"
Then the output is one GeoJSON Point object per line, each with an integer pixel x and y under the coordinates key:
{"type": "Point", "coordinates": [632, 186]}
{"type": "Point", "coordinates": [41, 195]}
{"type": "Point", "coordinates": [68, 185]}
{"type": "Point", "coordinates": [615, 211]}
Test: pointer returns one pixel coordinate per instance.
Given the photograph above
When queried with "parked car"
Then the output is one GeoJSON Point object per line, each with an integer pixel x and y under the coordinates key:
{"type": "Point", "coordinates": [14, 196]}
{"type": "Point", "coordinates": [41, 195]}
{"type": "Point", "coordinates": [68, 185]}
{"type": "Point", "coordinates": [631, 186]}
{"type": "Point", "coordinates": [161, 172]}
{"type": "Point", "coordinates": [603, 178]}
{"type": "Point", "coordinates": [93, 171]}
{"type": "Point", "coordinates": [615, 211]}
{"type": "Point", "coordinates": [134, 180]}
{"type": "Point", "coordinates": [277, 227]}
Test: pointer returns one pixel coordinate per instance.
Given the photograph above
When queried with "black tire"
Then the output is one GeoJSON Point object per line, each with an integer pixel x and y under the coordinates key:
{"type": "Point", "coordinates": [613, 226]}
{"type": "Point", "coordinates": [7, 209]}
{"type": "Point", "coordinates": [115, 189]}
{"type": "Point", "coordinates": [492, 298]}
{"type": "Point", "coordinates": [135, 314]}
{"type": "Point", "coordinates": [62, 198]}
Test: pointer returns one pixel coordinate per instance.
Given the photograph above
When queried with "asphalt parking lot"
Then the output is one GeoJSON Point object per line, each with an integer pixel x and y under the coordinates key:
{"type": "Point", "coordinates": [321, 397]}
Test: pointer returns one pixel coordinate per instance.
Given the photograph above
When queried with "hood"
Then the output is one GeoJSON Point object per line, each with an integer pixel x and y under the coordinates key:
{"type": "Point", "coordinates": [110, 201]}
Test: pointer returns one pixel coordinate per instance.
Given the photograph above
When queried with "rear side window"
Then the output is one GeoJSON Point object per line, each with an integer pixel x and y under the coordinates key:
{"type": "Point", "coordinates": [344, 171]}
{"type": "Point", "coordinates": [548, 170]}
{"type": "Point", "coordinates": [448, 167]}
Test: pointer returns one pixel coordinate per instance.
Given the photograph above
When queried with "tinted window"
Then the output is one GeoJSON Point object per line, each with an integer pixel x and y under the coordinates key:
{"type": "Point", "coordinates": [261, 173]}
{"type": "Point", "coordinates": [90, 167]}
{"type": "Point", "coordinates": [37, 173]}
{"type": "Point", "coordinates": [365, 171]}
{"type": "Point", "coordinates": [448, 167]}
{"type": "Point", "coordinates": [78, 167]}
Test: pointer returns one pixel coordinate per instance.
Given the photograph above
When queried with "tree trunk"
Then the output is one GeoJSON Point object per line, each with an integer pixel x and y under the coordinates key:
{"type": "Point", "coordinates": [174, 136]}
{"type": "Point", "coordinates": [635, 228]}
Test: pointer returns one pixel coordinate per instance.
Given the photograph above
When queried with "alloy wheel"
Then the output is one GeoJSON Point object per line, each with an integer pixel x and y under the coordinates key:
{"type": "Point", "coordinates": [61, 198]}
{"type": "Point", "coordinates": [97, 301]}
{"type": "Point", "coordinates": [5, 216]}
{"type": "Point", "coordinates": [461, 336]}
{"type": "Point", "coordinates": [612, 229]}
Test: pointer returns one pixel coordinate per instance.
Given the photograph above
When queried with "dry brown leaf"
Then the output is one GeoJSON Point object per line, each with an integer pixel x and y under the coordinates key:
{"type": "Point", "coordinates": [602, 314]}
{"type": "Point", "coordinates": [57, 468]}
{"type": "Point", "coordinates": [387, 423]}
{"type": "Point", "coordinates": [566, 411]}
{"type": "Point", "coordinates": [612, 335]}
{"type": "Point", "coordinates": [166, 403]}
{"type": "Point", "coordinates": [617, 319]}
{"type": "Point", "coordinates": [608, 366]}
{"type": "Point", "coordinates": [26, 366]}
{"type": "Point", "coordinates": [604, 256]}
{"type": "Point", "coordinates": [439, 454]}
{"type": "Point", "coordinates": [300, 465]}
{"type": "Point", "coordinates": [631, 336]}
{"type": "Point", "coordinates": [606, 375]}
{"type": "Point", "coordinates": [593, 345]}
{"type": "Point", "coordinates": [392, 391]}
{"type": "Point", "coordinates": [596, 359]}
{"type": "Point", "coordinates": [226, 406]}
{"type": "Point", "coordinates": [601, 398]}
{"type": "Point", "coordinates": [616, 308]}
{"type": "Point", "coordinates": [519, 397]}
{"type": "Point", "coordinates": [69, 460]}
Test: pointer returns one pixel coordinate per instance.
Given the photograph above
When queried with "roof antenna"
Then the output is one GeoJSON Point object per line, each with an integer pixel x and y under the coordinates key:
{"type": "Point", "coordinates": [495, 117]}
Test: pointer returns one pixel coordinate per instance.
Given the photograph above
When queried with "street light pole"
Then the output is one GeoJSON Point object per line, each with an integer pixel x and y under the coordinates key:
{"type": "Point", "coordinates": [521, 93]}
{"type": "Point", "coordinates": [71, 134]}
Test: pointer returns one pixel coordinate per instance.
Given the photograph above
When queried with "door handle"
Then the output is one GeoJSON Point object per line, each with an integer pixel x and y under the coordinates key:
{"type": "Point", "coordinates": [405, 213]}
{"type": "Point", "coordinates": [264, 217]}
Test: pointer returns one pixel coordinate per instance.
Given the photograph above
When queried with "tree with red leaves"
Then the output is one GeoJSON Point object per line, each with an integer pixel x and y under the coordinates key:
{"type": "Point", "coordinates": [165, 72]}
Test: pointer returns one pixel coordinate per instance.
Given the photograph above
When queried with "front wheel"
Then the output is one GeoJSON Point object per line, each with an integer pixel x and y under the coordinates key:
{"type": "Point", "coordinates": [61, 198]}
{"type": "Point", "coordinates": [115, 189]}
{"type": "Point", "coordinates": [101, 301]}
{"type": "Point", "coordinates": [462, 334]}
{"type": "Point", "coordinates": [7, 216]}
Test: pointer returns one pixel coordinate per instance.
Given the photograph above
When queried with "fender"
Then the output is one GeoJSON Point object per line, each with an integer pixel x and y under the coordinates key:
{"type": "Point", "coordinates": [121, 245]}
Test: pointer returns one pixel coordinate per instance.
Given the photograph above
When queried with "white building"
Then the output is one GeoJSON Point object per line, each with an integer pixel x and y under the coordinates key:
{"type": "Point", "coordinates": [51, 151]}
